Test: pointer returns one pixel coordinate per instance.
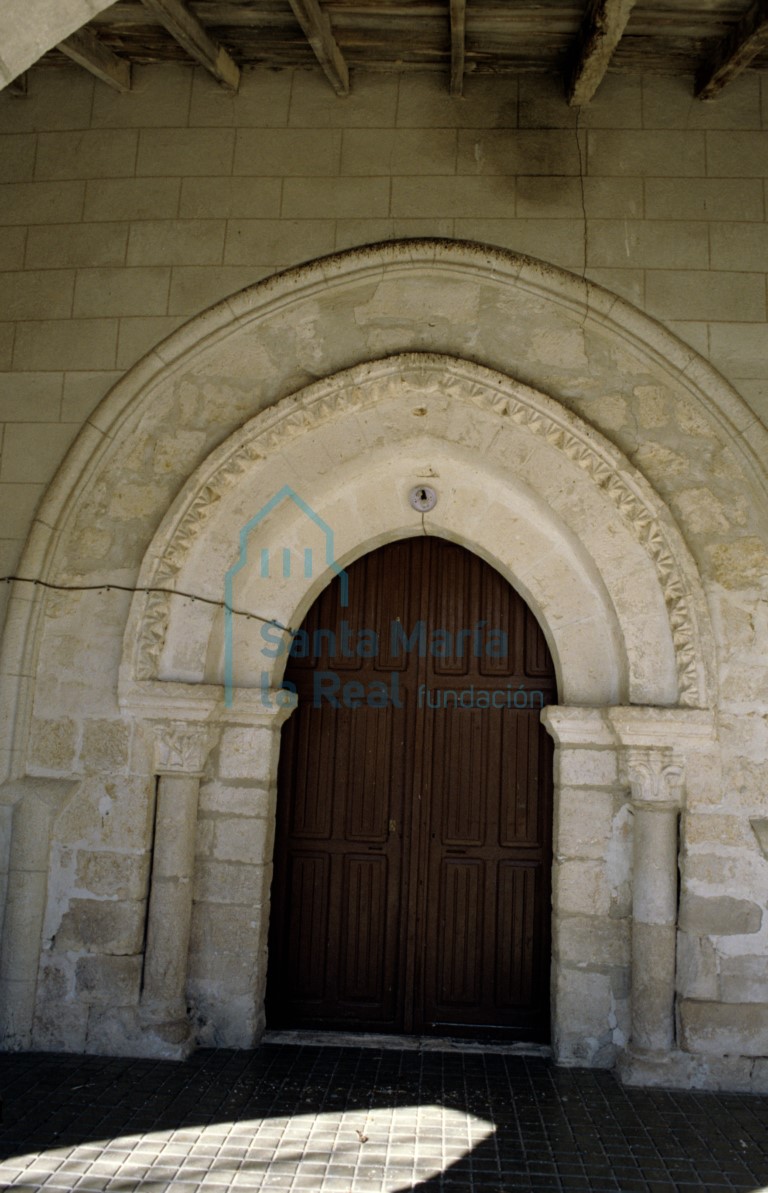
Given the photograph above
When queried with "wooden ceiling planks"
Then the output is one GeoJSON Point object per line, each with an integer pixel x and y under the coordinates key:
{"type": "Point", "coordinates": [485, 36]}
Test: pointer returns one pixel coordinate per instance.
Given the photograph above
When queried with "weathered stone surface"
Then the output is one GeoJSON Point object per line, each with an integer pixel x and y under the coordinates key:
{"type": "Point", "coordinates": [109, 981]}
{"type": "Point", "coordinates": [98, 926]}
{"type": "Point", "coordinates": [724, 1028]}
{"type": "Point", "coordinates": [229, 882]}
{"type": "Point", "coordinates": [105, 746]}
{"type": "Point", "coordinates": [591, 942]}
{"type": "Point", "coordinates": [696, 967]}
{"type": "Point", "coordinates": [53, 746]}
{"type": "Point", "coordinates": [584, 822]}
{"type": "Point", "coordinates": [223, 928]}
{"type": "Point", "coordinates": [744, 979]}
{"type": "Point", "coordinates": [113, 875]}
{"type": "Point", "coordinates": [719, 915]}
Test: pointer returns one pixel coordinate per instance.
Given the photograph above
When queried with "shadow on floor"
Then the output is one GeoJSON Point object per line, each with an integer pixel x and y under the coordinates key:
{"type": "Point", "coordinates": [359, 1120]}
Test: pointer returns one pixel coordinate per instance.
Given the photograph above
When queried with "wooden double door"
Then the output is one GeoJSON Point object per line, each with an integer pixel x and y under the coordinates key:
{"type": "Point", "coordinates": [411, 888]}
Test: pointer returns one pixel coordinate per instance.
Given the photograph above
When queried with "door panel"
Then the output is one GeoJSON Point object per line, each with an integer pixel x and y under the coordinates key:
{"type": "Point", "coordinates": [412, 860]}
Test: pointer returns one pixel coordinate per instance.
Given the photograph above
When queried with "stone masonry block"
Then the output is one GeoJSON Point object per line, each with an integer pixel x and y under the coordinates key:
{"type": "Point", "coordinates": [195, 287]}
{"type": "Point", "coordinates": [239, 839]}
{"type": "Point", "coordinates": [658, 244]}
{"type": "Point", "coordinates": [94, 153]}
{"type": "Point", "coordinates": [66, 344]}
{"type": "Point", "coordinates": [138, 291]}
{"type": "Point", "coordinates": [332, 198]}
{"type": "Point", "coordinates": [744, 979]}
{"type": "Point", "coordinates": [580, 888]}
{"type": "Point", "coordinates": [62, 97]}
{"type": "Point", "coordinates": [158, 94]}
{"type": "Point", "coordinates": [176, 242]}
{"type": "Point", "coordinates": [235, 799]}
{"type": "Point", "coordinates": [399, 151]}
{"type": "Point", "coordinates": [709, 199]}
{"type": "Point", "coordinates": [645, 154]}
{"type": "Point", "coordinates": [17, 157]}
{"type": "Point", "coordinates": [12, 245]}
{"type": "Point", "coordinates": [487, 102]}
{"type": "Point", "coordinates": [313, 104]}
{"type": "Point", "coordinates": [131, 199]}
{"type": "Point", "coordinates": [112, 875]}
{"type": "Point", "coordinates": [164, 152]}
{"type": "Point", "coordinates": [101, 927]}
{"type": "Point", "coordinates": [274, 242]}
{"type": "Point", "coordinates": [53, 745]}
{"type": "Point", "coordinates": [269, 152]}
{"type": "Point", "coordinates": [109, 981]}
{"type": "Point", "coordinates": [262, 100]}
{"type": "Point", "coordinates": [41, 202]}
{"type": "Point", "coordinates": [696, 967]}
{"type": "Point", "coordinates": [557, 240]}
{"type": "Point", "coordinates": [460, 196]}
{"type": "Point", "coordinates": [724, 1028]}
{"type": "Point", "coordinates": [36, 294]}
{"type": "Point", "coordinates": [517, 151]}
{"type": "Point", "coordinates": [247, 753]}
{"type": "Point", "coordinates": [585, 768]}
{"type": "Point", "coordinates": [18, 503]}
{"type": "Point", "coordinates": [584, 822]}
{"type": "Point", "coordinates": [698, 294]}
{"type": "Point", "coordinates": [591, 942]}
{"type": "Point", "coordinates": [719, 915]}
{"type": "Point", "coordinates": [30, 397]}
{"type": "Point", "coordinates": [35, 450]}
{"type": "Point", "coordinates": [229, 882]}
{"type": "Point", "coordinates": [737, 154]}
{"type": "Point", "coordinates": [738, 245]}
{"type": "Point", "coordinates": [230, 198]}
{"type": "Point", "coordinates": [105, 745]}
{"type": "Point", "coordinates": [221, 928]}
{"type": "Point", "coordinates": [50, 245]}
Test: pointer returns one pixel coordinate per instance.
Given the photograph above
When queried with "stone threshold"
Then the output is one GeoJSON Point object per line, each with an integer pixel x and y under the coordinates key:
{"type": "Point", "coordinates": [350, 1039]}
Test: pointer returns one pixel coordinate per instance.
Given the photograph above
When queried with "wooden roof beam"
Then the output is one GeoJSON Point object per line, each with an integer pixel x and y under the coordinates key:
{"type": "Point", "coordinates": [735, 52]}
{"type": "Point", "coordinates": [458, 43]}
{"type": "Point", "coordinates": [183, 25]}
{"type": "Point", "coordinates": [317, 29]}
{"type": "Point", "coordinates": [601, 31]}
{"type": "Point", "coordinates": [84, 48]}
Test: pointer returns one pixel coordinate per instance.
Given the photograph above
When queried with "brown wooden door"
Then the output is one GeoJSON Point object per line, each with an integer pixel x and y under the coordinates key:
{"type": "Point", "coordinates": [413, 850]}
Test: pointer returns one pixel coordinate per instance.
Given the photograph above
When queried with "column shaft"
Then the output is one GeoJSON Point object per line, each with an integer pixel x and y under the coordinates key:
{"type": "Point", "coordinates": [170, 903]}
{"type": "Point", "coordinates": [654, 926]}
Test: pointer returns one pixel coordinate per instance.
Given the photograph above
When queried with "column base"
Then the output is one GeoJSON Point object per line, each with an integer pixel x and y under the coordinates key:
{"type": "Point", "coordinates": [685, 1070]}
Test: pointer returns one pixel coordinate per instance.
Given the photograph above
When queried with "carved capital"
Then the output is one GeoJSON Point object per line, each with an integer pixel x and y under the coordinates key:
{"type": "Point", "coordinates": [655, 775]}
{"type": "Point", "coordinates": [181, 747]}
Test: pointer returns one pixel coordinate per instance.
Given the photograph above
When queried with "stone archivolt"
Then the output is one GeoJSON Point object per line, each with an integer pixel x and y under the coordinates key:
{"type": "Point", "coordinates": [462, 382]}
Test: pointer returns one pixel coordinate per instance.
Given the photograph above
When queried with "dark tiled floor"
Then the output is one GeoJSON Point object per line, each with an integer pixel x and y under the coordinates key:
{"type": "Point", "coordinates": [353, 1120]}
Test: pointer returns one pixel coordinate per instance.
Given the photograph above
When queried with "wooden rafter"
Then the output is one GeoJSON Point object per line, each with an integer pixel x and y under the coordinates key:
{"type": "Point", "coordinates": [736, 51]}
{"type": "Point", "coordinates": [183, 25]}
{"type": "Point", "coordinates": [458, 21]}
{"type": "Point", "coordinates": [19, 85]}
{"type": "Point", "coordinates": [317, 29]}
{"type": "Point", "coordinates": [601, 31]}
{"type": "Point", "coordinates": [84, 48]}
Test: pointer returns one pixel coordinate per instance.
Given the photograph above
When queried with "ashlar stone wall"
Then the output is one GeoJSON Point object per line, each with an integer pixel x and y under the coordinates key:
{"type": "Point", "coordinates": [123, 216]}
